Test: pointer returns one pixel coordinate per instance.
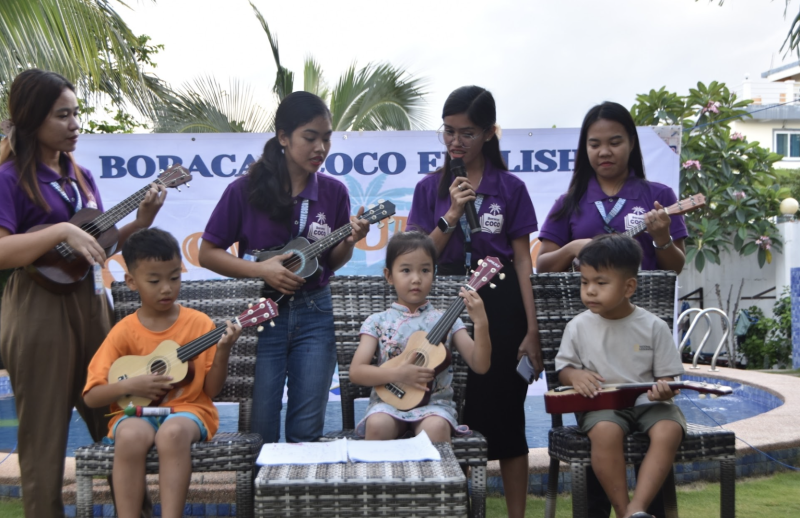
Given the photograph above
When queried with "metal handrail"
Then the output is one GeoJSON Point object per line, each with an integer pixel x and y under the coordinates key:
{"type": "Point", "coordinates": [726, 333]}
{"type": "Point", "coordinates": [691, 327]}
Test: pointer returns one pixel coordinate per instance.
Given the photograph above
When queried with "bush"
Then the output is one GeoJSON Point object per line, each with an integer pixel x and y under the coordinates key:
{"type": "Point", "coordinates": [768, 342]}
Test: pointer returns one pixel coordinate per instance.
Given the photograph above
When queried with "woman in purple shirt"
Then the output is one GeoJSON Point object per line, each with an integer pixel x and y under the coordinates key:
{"type": "Point", "coordinates": [283, 197]}
{"type": "Point", "coordinates": [609, 193]}
{"type": "Point", "coordinates": [47, 340]}
{"type": "Point", "coordinates": [494, 401]}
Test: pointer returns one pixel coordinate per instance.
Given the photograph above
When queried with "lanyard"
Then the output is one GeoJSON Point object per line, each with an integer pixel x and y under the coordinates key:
{"type": "Point", "coordinates": [303, 218]}
{"type": "Point", "coordinates": [468, 235]}
{"type": "Point", "coordinates": [608, 217]}
{"type": "Point", "coordinates": [78, 204]}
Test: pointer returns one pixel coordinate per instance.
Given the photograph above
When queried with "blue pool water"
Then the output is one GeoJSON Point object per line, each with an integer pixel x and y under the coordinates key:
{"type": "Point", "coordinates": [743, 403]}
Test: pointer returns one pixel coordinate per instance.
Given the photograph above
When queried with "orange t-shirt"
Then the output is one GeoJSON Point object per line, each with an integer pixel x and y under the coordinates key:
{"type": "Point", "coordinates": [130, 337]}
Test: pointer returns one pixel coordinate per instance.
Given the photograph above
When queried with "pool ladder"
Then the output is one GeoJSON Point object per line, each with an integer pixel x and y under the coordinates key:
{"type": "Point", "coordinates": [725, 335]}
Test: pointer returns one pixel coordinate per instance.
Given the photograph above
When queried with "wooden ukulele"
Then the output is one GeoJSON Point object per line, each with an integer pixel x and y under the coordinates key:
{"type": "Point", "coordinates": [171, 359]}
{"type": "Point", "coordinates": [427, 349]}
{"type": "Point", "coordinates": [563, 400]}
{"type": "Point", "coordinates": [61, 270]}
{"type": "Point", "coordinates": [304, 262]}
{"type": "Point", "coordinates": [691, 203]}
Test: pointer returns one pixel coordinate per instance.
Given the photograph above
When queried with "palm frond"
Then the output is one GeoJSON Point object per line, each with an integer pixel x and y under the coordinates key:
{"type": "Point", "coordinates": [313, 81]}
{"type": "Point", "coordinates": [204, 106]}
{"type": "Point", "coordinates": [84, 40]}
{"type": "Point", "coordinates": [284, 78]}
{"type": "Point", "coordinates": [378, 97]}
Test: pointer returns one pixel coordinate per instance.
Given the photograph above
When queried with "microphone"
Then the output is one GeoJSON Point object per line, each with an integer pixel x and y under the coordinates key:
{"type": "Point", "coordinates": [458, 169]}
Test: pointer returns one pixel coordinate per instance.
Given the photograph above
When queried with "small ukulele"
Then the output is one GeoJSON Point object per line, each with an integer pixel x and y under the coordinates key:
{"type": "Point", "coordinates": [304, 262]}
{"type": "Point", "coordinates": [691, 203]}
{"type": "Point", "coordinates": [563, 400]}
{"type": "Point", "coordinates": [171, 359]}
{"type": "Point", "coordinates": [61, 270]}
{"type": "Point", "coordinates": [427, 348]}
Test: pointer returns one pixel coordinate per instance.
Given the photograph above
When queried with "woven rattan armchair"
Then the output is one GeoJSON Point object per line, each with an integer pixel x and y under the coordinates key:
{"type": "Point", "coordinates": [220, 300]}
{"type": "Point", "coordinates": [558, 300]}
{"type": "Point", "coordinates": [354, 299]}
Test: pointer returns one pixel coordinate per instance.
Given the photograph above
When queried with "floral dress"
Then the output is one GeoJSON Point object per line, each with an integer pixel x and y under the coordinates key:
{"type": "Point", "coordinates": [393, 328]}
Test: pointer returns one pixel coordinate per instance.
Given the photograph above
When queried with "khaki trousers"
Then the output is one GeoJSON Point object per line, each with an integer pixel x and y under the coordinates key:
{"type": "Point", "coordinates": [47, 342]}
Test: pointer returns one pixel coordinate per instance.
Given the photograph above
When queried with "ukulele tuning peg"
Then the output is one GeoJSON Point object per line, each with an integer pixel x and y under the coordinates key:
{"type": "Point", "coordinates": [702, 396]}
{"type": "Point", "coordinates": [187, 185]}
{"type": "Point", "coordinates": [714, 396]}
{"type": "Point", "coordinates": [260, 328]}
{"type": "Point", "coordinates": [262, 299]}
{"type": "Point", "coordinates": [480, 262]}
{"type": "Point", "coordinates": [371, 206]}
{"type": "Point", "coordinates": [381, 225]}
{"type": "Point", "coordinates": [271, 323]}
{"type": "Point", "coordinates": [249, 306]}
{"type": "Point", "coordinates": [391, 220]}
{"type": "Point", "coordinates": [502, 276]}
{"type": "Point", "coordinates": [177, 188]}
{"type": "Point", "coordinates": [381, 201]}
{"type": "Point", "coordinates": [492, 285]}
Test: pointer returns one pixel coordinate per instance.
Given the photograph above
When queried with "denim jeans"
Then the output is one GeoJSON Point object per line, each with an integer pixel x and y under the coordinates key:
{"type": "Point", "coordinates": [302, 348]}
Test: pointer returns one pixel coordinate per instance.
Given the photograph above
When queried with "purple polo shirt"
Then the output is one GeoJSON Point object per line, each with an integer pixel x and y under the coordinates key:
{"type": "Point", "coordinates": [234, 219]}
{"type": "Point", "coordinates": [505, 214]}
{"type": "Point", "coordinates": [587, 223]}
{"type": "Point", "coordinates": [18, 213]}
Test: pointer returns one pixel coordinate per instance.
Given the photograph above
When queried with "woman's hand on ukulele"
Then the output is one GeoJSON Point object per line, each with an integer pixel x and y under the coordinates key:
{"type": "Point", "coordinates": [150, 386]}
{"type": "Point", "coordinates": [150, 205]}
{"type": "Point", "coordinates": [414, 375]}
{"type": "Point", "coordinates": [360, 228]}
{"type": "Point", "coordinates": [658, 222]}
{"type": "Point", "coordinates": [278, 276]}
{"type": "Point", "coordinates": [229, 337]}
{"type": "Point", "coordinates": [461, 192]}
{"type": "Point", "coordinates": [474, 304]}
{"type": "Point", "coordinates": [661, 391]}
{"type": "Point", "coordinates": [586, 382]}
{"type": "Point", "coordinates": [84, 244]}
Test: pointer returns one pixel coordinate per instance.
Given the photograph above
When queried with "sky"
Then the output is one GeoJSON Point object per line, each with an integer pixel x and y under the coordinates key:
{"type": "Point", "coordinates": [545, 61]}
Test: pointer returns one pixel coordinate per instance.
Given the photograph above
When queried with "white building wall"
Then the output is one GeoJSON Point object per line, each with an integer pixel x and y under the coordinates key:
{"type": "Point", "coordinates": [763, 133]}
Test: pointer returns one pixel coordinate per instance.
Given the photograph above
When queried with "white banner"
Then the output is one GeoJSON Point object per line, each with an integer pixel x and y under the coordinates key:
{"type": "Point", "coordinates": [373, 165]}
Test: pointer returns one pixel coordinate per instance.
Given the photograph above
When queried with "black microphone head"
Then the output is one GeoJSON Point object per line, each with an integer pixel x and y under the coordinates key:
{"type": "Point", "coordinates": [457, 167]}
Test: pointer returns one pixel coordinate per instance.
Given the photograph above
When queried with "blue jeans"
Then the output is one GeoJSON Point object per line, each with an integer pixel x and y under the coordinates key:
{"type": "Point", "coordinates": [302, 348]}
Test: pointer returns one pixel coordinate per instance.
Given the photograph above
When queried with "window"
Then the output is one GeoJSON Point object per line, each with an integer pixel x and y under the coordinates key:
{"type": "Point", "coordinates": [787, 143]}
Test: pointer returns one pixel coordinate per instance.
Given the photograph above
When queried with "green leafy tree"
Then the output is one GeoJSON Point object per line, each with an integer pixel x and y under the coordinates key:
{"type": "Point", "coordinates": [87, 41]}
{"type": "Point", "coordinates": [742, 188]}
{"type": "Point", "coordinates": [768, 341]}
{"type": "Point", "coordinates": [378, 96]}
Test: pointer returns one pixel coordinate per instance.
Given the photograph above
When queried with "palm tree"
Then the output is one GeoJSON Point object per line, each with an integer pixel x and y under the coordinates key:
{"type": "Point", "coordinates": [84, 40]}
{"type": "Point", "coordinates": [375, 97]}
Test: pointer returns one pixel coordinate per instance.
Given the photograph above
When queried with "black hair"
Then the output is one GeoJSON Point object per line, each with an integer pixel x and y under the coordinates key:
{"type": "Point", "coordinates": [149, 243]}
{"type": "Point", "coordinates": [268, 176]}
{"type": "Point", "coordinates": [478, 105]}
{"type": "Point", "coordinates": [405, 242]}
{"type": "Point", "coordinates": [613, 251]}
{"type": "Point", "coordinates": [583, 169]}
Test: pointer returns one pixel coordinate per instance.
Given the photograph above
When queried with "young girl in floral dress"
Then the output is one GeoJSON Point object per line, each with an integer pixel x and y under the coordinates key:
{"type": "Point", "coordinates": [410, 264]}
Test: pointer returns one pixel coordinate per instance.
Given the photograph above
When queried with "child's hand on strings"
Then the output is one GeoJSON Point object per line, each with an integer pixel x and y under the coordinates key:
{"type": "Point", "coordinates": [150, 386]}
{"type": "Point", "coordinates": [414, 375]}
{"type": "Point", "coordinates": [475, 308]}
{"type": "Point", "coordinates": [230, 336]}
{"type": "Point", "coordinates": [661, 391]}
{"type": "Point", "coordinates": [586, 382]}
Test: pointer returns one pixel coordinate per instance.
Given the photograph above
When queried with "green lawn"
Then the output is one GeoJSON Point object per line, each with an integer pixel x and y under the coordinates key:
{"type": "Point", "coordinates": [771, 497]}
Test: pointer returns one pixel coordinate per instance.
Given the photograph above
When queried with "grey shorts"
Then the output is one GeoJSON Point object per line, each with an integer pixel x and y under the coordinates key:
{"type": "Point", "coordinates": [634, 419]}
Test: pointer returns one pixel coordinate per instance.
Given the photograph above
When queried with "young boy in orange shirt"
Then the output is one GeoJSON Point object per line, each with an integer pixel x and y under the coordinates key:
{"type": "Point", "coordinates": [153, 260]}
{"type": "Point", "coordinates": [617, 342]}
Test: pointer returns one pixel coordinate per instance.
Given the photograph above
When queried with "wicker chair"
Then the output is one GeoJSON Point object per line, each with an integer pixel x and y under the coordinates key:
{"type": "Point", "coordinates": [558, 300]}
{"type": "Point", "coordinates": [220, 300]}
{"type": "Point", "coordinates": [354, 299]}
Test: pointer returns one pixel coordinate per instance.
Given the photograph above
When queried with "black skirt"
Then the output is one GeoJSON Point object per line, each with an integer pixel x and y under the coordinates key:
{"type": "Point", "coordinates": [495, 401]}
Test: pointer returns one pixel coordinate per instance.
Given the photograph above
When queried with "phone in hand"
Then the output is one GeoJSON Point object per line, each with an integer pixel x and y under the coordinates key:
{"type": "Point", "coordinates": [526, 371]}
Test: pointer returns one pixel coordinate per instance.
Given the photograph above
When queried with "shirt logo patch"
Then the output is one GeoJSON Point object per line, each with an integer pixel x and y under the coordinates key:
{"type": "Point", "coordinates": [492, 221]}
{"type": "Point", "coordinates": [640, 348]}
{"type": "Point", "coordinates": [634, 218]}
{"type": "Point", "coordinates": [318, 229]}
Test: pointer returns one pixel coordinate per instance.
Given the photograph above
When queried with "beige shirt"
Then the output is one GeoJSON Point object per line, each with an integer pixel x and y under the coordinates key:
{"type": "Point", "coordinates": [635, 349]}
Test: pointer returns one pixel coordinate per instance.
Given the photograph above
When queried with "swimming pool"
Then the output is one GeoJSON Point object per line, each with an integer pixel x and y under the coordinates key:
{"type": "Point", "coordinates": [745, 402]}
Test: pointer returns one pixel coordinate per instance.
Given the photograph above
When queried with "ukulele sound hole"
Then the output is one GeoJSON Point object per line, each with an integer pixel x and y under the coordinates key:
{"type": "Point", "coordinates": [420, 359]}
{"type": "Point", "coordinates": [158, 367]}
